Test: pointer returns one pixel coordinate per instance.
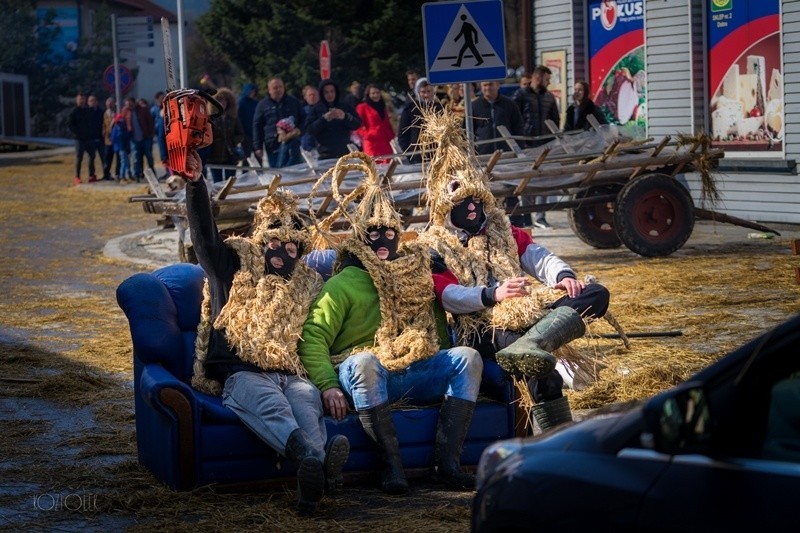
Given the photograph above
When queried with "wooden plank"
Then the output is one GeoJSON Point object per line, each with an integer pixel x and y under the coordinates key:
{"type": "Point", "coordinates": [536, 165]}
{"type": "Point", "coordinates": [152, 181]}
{"type": "Point", "coordinates": [654, 153]}
{"type": "Point", "coordinates": [273, 185]}
{"type": "Point", "coordinates": [387, 176]}
{"type": "Point", "coordinates": [226, 189]}
{"type": "Point", "coordinates": [705, 214]}
{"type": "Point", "coordinates": [493, 161]}
{"type": "Point", "coordinates": [510, 141]}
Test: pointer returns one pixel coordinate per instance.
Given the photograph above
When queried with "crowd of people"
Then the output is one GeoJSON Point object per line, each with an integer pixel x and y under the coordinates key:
{"type": "Point", "coordinates": [432, 320]}
{"type": "Point", "coordinates": [324, 123]}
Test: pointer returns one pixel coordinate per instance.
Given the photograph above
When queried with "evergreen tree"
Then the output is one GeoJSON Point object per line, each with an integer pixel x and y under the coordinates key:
{"type": "Point", "coordinates": [369, 40]}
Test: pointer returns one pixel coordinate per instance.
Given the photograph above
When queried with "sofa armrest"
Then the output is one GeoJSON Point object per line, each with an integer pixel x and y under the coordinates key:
{"type": "Point", "coordinates": [173, 399]}
{"type": "Point", "coordinates": [155, 379]}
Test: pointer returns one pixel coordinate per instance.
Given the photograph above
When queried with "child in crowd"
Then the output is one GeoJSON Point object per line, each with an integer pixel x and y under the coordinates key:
{"type": "Point", "coordinates": [120, 139]}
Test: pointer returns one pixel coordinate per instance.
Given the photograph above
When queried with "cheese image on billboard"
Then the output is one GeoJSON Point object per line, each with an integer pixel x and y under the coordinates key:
{"type": "Point", "coordinates": [745, 109]}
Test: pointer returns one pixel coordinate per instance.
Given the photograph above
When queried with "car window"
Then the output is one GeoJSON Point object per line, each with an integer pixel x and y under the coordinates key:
{"type": "Point", "coordinates": [782, 441]}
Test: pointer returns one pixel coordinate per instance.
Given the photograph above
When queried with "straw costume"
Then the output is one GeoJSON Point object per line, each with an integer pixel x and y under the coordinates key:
{"type": "Point", "coordinates": [479, 261]}
{"type": "Point", "coordinates": [377, 315]}
{"type": "Point", "coordinates": [256, 297]}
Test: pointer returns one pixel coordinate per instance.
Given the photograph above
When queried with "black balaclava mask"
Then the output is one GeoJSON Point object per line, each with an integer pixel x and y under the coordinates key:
{"type": "Point", "coordinates": [382, 237]}
{"type": "Point", "coordinates": [285, 254]}
{"type": "Point", "coordinates": [459, 216]}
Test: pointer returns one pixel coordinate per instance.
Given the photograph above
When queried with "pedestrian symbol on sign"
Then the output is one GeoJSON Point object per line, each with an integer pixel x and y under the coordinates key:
{"type": "Point", "coordinates": [465, 46]}
{"type": "Point", "coordinates": [464, 41]}
{"type": "Point", "coordinates": [470, 35]}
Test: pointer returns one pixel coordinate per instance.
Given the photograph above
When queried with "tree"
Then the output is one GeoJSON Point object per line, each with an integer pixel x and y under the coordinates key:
{"type": "Point", "coordinates": [26, 46]}
{"type": "Point", "coordinates": [28, 49]}
{"type": "Point", "coordinates": [370, 40]}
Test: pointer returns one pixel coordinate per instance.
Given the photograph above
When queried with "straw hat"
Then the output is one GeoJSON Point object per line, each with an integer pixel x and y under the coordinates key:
{"type": "Point", "coordinates": [453, 172]}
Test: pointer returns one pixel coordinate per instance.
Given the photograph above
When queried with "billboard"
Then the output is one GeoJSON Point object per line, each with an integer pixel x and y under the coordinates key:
{"type": "Point", "coordinates": [67, 20]}
{"type": "Point", "coordinates": [745, 75]}
{"type": "Point", "coordinates": [617, 76]}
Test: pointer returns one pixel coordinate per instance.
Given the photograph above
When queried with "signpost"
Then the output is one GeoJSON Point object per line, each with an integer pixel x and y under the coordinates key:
{"type": "Point", "coordinates": [464, 42]}
{"type": "Point", "coordinates": [125, 78]}
{"type": "Point", "coordinates": [324, 60]}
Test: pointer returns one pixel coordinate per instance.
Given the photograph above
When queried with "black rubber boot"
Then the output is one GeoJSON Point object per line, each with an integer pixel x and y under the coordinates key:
{"type": "Point", "coordinates": [310, 474]}
{"type": "Point", "coordinates": [336, 453]}
{"type": "Point", "coordinates": [455, 416]}
{"type": "Point", "coordinates": [379, 427]}
{"type": "Point", "coordinates": [531, 354]}
{"type": "Point", "coordinates": [552, 413]}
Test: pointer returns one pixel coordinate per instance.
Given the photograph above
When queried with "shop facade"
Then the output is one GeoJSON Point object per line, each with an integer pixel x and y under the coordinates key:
{"type": "Point", "coordinates": [728, 68]}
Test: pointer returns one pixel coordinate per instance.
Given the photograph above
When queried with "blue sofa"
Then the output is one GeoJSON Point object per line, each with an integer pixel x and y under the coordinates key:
{"type": "Point", "coordinates": [188, 439]}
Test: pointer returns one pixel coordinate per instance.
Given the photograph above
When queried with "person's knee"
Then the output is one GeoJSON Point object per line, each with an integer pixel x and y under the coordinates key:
{"type": "Point", "coordinates": [362, 369]}
{"type": "Point", "coordinates": [468, 361]}
{"type": "Point", "coordinates": [598, 301]}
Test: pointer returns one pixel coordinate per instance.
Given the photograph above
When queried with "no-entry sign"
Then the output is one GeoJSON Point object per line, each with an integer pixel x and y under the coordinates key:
{"type": "Point", "coordinates": [324, 60]}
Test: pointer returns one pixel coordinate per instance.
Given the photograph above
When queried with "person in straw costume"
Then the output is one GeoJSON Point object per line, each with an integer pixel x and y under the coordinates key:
{"type": "Point", "coordinates": [377, 319]}
{"type": "Point", "coordinates": [480, 263]}
{"type": "Point", "coordinates": [256, 297]}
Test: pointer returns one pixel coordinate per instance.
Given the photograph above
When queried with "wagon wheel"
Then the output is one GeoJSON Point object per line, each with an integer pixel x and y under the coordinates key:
{"type": "Point", "coordinates": [654, 215]}
{"type": "Point", "coordinates": [594, 224]}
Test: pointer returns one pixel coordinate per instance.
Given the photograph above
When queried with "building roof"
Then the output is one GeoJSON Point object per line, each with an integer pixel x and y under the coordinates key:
{"type": "Point", "coordinates": [147, 8]}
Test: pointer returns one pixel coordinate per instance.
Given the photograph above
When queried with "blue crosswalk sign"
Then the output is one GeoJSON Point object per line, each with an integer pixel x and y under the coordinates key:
{"type": "Point", "coordinates": [464, 41]}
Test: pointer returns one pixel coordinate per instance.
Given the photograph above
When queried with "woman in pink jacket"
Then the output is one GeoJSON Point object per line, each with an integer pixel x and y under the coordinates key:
{"type": "Point", "coordinates": [376, 128]}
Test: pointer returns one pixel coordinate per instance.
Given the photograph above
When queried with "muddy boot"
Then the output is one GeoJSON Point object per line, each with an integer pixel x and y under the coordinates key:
{"type": "Point", "coordinates": [310, 474]}
{"type": "Point", "coordinates": [531, 355]}
{"type": "Point", "coordinates": [336, 453]}
{"type": "Point", "coordinates": [455, 416]}
{"type": "Point", "coordinates": [379, 427]}
{"type": "Point", "coordinates": [552, 413]}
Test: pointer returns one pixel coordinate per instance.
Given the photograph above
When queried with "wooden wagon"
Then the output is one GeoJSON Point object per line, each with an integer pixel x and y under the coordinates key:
{"type": "Point", "coordinates": [616, 191]}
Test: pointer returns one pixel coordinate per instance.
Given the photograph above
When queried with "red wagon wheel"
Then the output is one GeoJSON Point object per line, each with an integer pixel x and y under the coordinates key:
{"type": "Point", "coordinates": [594, 224]}
{"type": "Point", "coordinates": [654, 215]}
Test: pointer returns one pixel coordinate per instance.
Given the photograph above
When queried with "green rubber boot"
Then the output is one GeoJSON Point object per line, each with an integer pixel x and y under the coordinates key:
{"type": "Point", "coordinates": [531, 355]}
{"type": "Point", "coordinates": [552, 413]}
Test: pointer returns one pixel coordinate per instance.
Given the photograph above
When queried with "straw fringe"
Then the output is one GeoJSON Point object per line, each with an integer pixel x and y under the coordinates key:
{"type": "Point", "coordinates": [374, 208]}
{"type": "Point", "coordinates": [405, 285]}
{"type": "Point", "coordinates": [408, 330]}
{"type": "Point", "coordinates": [264, 316]}
{"type": "Point", "coordinates": [199, 379]}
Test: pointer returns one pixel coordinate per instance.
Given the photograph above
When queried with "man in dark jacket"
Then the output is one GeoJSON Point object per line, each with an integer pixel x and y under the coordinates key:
{"type": "Point", "coordinates": [537, 104]}
{"type": "Point", "coordinates": [246, 108]}
{"type": "Point", "coordinates": [491, 110]}
{"type": "Point", "coordinates": [331, 122]}
{"type": "Point", "coordinates": [82, 128]}
{"type": "Point", "coordinates": [277, 126]}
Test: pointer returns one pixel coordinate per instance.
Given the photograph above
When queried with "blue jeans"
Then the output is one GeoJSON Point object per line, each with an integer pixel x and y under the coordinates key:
{"type": "Point", "coordinates": [273, 405]}
{"type": "Point", "coordinates": [453, 372]}
{"type": "Point", "coordinates": [142, 150]}
{"type": "Point", "coordinates": [288, 154]}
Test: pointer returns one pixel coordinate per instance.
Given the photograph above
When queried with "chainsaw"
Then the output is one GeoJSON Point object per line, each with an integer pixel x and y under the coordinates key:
{"type": "Point", "coordinates": [187, 119]}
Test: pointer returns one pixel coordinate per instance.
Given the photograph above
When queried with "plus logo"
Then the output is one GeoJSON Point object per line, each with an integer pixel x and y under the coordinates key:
{"type": "Point", "coordinates": [608, 14]}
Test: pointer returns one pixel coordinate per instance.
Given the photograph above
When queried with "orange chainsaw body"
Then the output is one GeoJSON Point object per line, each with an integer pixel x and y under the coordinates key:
{"type": "Point", "coordinates": [188, 125]}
